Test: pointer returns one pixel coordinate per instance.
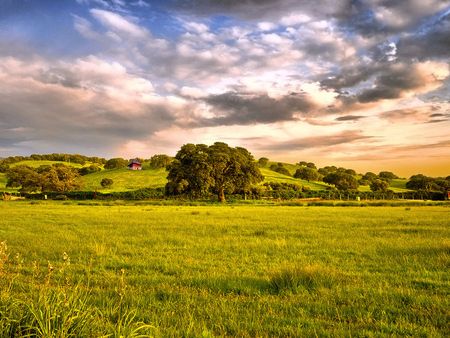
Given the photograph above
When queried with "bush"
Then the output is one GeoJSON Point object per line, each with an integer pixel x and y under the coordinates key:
{"type": "Point", "coordinates": [106, 182]}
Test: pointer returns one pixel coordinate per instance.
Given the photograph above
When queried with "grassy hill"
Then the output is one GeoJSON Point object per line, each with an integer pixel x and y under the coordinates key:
{"type": "Point", "coordinates": [129, 180]}
{"type": "Point", "coordinates": [272, 176]}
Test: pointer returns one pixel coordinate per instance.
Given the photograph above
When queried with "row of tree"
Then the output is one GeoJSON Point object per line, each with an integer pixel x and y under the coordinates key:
{"type": "Point", "coordinates": [199, 170]}
{"type": "Point", "coordinates": [156, 161]}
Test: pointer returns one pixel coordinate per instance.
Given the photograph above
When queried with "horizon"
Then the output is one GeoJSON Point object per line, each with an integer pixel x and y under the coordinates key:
{"type": "Point", "coordinates": [359, 84]}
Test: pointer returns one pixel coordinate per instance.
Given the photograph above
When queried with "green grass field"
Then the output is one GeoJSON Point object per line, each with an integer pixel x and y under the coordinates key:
{"type": "Point", "coordinates": [224, 271]}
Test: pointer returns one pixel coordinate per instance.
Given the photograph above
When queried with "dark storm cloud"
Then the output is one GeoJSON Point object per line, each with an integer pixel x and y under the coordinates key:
{"type": "Point", "coordinates": [234, 108]}
{"type": "Point", "coordinates": [345, 137]}
{"type": "Point", "coordinates": [261, 9]}
{"type": "Point", "coordinates": [432, 41]}
{"type": "Point", "coordinates": [348, 77]}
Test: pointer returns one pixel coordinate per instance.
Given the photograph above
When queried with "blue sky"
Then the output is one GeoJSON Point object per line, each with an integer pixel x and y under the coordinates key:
{"type": "Point", "coordinates": [362, 84]}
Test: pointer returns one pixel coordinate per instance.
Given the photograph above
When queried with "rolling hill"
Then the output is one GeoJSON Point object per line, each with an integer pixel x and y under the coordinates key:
{"type": "Point", "coordinates": [129, 180]}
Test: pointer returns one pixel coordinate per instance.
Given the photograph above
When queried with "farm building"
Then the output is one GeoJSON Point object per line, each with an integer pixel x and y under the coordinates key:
{"type": "Point", "coordinates": [134, 165]}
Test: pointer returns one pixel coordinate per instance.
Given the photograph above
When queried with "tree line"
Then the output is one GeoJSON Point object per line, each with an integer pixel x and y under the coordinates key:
{"type": "Point", "coordinates": [198, 170]}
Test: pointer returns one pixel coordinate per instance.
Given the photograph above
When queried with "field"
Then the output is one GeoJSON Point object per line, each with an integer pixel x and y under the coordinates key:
{"type": "Point", "coordinates": [224, 271]}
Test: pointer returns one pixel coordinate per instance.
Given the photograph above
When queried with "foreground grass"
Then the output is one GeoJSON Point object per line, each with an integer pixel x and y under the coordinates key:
{"type": "Point", "coordinates": [246, 271]}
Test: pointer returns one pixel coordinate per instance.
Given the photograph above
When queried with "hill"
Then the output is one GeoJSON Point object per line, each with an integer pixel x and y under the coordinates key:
{"type": "Point", "coordinates": [129, 180]}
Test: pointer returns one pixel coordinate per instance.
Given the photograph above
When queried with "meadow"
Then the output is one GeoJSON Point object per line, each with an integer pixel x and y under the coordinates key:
{"type": "Point", "coordinates": [91, 269]}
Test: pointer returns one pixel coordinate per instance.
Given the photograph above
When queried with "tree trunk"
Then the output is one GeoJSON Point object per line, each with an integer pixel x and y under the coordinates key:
{"type": "Point", "coordinates": [221, 196]}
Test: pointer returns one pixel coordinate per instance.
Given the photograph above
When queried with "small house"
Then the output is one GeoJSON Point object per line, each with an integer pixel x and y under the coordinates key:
{"type": "Point", "coordinates": [134, 165]}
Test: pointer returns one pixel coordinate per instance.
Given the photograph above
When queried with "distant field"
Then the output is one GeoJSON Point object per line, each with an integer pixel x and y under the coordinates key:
{"type": "Point", "coordinates": [230, 271]}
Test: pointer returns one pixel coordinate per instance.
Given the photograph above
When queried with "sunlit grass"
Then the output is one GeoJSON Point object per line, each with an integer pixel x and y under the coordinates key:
{"type": "Point", "coordinates": [127, 180]}
{"type": "Point", "coordinates": [242, 270]}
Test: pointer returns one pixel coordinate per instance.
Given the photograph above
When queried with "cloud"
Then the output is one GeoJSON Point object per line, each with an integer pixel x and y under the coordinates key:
{"type": "Point", "coordinates": [350, 118]}
{"type": "Point", "coordinates": [119, 24]}
{"type": "Point", "coordinates": [88, 104]}
{"type": "Point", "coordinates": [406, 78]}
{"type": "Point", "coordinates": [342, 138]}
{"type": "Point", "coordinates": [234, 108]}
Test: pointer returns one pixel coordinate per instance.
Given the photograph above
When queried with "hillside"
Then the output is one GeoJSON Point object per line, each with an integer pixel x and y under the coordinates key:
{"type": "Point", "coordinates": [129, 180]}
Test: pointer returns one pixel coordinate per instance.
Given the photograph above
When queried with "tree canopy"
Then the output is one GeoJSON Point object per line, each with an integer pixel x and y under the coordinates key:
{"type": "Point", "coordinates": [116, 163]}
{"type": "Point", "coordinates": [160, 161]}
{"type": "Point", "coordinates": [45, 178]}
{"type": "Point", "coordinates": [342, 181]}
{"type": "Point", "coordinates": [379, 185]}
{"type": "Point", "coordinates": [200, 169]}
{"type": "Point", "coordinates": [308, 173]}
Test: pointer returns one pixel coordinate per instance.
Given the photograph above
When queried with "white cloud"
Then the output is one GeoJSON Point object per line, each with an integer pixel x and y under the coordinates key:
{"type": "Point", "coordinates": [195, 93]}
{"type": "Point", "coordinates": [267, 26]}
{"type": "Point", "coordinates": [119, 24]}
{"type": "Point", "coordinates": [295, 18]}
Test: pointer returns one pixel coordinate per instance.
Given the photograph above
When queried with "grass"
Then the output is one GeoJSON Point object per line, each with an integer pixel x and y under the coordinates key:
{"type": "Point", "coordinates": [272, 176]}
{"type": "Point", "coordinates": [127, 180]}
{"type": "Point", "coordinates": [236, 271]}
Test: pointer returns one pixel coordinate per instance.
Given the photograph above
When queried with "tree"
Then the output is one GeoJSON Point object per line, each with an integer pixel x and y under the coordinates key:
{"type": "Point", "coordinates": [106, 182]}
{"type": "Point", "coordinates": [308, 174]}
{"type": "Point", "coordinates": [4, 168]}
{"type": "Point", "coordinates": [303, 163]}
{"type": "Point", "coordinates": [282, 170]}
{"type": "Point", "coordinates": [311, 165]}
{"type": "Point", "coordinates": [116, 163]}
{"type": "Point", "coordinates": [387, 175]}
{"type": "Point", "coordinates": [44, 178]}
{"type": "Point", "coordinates": [90, 169]}
{"type": "Point", "coordinates": [420, 182]}
{"type": "Point", "coordinates": [263, 161]}
{"type": "Point", "coordinates": [199, 169]}
{"type": "Point", "coordinates": [160, 161]}
{"type": "Point", "coordinates": [350, 172]}
{"type": "Point", "coordinates": [342, 181]}
{"type": "Point", "coordinates": [323, 171]}
{"type": "Point", "coordinates": [379, 185]}
{"type": "Point", "coordinates": [369, 176]}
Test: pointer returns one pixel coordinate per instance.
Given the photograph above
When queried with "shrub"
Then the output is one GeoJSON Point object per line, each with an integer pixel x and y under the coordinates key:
{"type": "Point", "coordinates": [106, 182]}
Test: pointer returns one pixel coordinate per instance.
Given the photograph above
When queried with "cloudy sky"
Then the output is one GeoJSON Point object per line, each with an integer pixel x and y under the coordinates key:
{"type": "Point", "coordinates": [362, 84]}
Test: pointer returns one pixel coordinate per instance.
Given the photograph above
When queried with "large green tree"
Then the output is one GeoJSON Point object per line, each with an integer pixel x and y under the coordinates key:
{"type": "Point", "coordinates": [200, 169]}
{"type": "Point", "coordinates": [342, 181]}
{"type": "Point", "coordinates": [45, 178]}
{"type": "Point", "coordinates": [307, 173]}
{"type": "Point", "coordinates": [379, 185]}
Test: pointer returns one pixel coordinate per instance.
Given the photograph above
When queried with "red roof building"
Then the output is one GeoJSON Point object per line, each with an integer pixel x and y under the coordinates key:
{"type": "Point", "coordinates": [134, 165]}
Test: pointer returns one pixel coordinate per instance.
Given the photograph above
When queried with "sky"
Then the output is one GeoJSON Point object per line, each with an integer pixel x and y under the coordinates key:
{"type": "Point", "coordinates": [360, 84]}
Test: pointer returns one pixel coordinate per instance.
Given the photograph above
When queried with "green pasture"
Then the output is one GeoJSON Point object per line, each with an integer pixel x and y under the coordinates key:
{"type": "Point", "coordinates": [225, 271]}
{"type": "Point", "coordinates": [126, 180]}
{"type": "Point", "coordinates": [272, 176]}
